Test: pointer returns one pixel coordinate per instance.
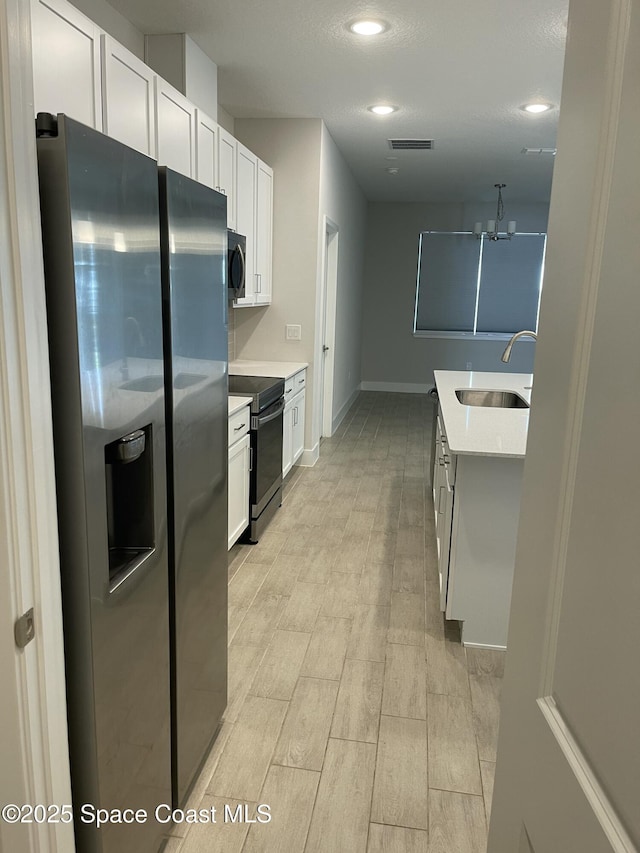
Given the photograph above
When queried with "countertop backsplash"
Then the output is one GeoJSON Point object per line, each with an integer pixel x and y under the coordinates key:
{"type": "Point", "coordinates": [232, 333]}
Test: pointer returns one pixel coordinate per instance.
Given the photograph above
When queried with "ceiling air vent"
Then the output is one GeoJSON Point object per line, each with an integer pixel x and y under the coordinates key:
{"type": "Point", "coordinates": [411, 144]}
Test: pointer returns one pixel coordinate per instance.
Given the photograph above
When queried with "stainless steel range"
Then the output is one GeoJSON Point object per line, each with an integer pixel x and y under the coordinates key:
{"type": "Point", "coordinates": [267, 407]}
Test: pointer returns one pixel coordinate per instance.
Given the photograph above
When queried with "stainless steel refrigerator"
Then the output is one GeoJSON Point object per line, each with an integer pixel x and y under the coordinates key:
{"type": "Point", "coordinates": [136, 302]}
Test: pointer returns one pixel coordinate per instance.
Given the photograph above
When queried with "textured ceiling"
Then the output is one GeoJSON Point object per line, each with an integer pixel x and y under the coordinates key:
{"type": "Point", "coordinates": [459, 71]}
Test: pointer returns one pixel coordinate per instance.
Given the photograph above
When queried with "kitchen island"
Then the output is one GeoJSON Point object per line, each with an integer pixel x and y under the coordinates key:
{"type": "Point", "coordinates": [478, 466]}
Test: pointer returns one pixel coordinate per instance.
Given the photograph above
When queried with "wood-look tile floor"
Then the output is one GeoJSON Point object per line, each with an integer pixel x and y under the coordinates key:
{"type": "Point", "coordinates": [354, 712]}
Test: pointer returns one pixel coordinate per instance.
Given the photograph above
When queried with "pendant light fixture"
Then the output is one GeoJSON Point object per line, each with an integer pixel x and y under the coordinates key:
{"type": "Point", "coordinates": [493, 225]}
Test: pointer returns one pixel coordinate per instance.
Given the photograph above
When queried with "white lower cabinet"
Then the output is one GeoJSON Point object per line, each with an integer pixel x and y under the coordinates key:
{"type": "Point", "coordinates": [238, 474]}
{"type": "Point", "coordinates": [477, 506]}
{"type": "Point", "coordinates": [293, 423]}
{"type": "Point", "coordinates": [297, 427]}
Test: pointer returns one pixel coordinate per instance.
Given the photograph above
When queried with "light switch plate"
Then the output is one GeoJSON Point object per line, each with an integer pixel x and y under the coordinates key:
{"type": "Point", "coordinates": [293, 333]}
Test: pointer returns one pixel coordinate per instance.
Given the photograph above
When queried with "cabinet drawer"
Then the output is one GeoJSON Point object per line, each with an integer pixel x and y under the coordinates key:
{"type": "Point", "coordinates": [238, 425]}
{"type": "Point", "coordinates": [294, 384]}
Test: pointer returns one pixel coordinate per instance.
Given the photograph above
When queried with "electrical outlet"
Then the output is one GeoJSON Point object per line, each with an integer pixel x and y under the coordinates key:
{"type": "Point", "coordinates": [468, 365]}
{"type": "Point", "coordinates": [293, 333]}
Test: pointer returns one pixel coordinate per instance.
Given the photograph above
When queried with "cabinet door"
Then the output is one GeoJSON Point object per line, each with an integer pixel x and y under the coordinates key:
{"type": "Point", "coordinates": [246, 189]}
{"type": "Point", "coordinates": [206, 150]}
{"type": "Point", "coordinates": [227, 173]}
{"type": "Point", "coordinates": [446, 522]}
{"type": "Point", "coordinates": [175, 130]}
{"type": "Point", "coordinates": [298, 426]}
{"type": "Point", "coordinates": [66, 62]}
{"type": "Point", "coordinates": [264, 233]}
{"type": "Point", "coordinates": [128, 106]}
{"type": "Point", "coordinates": [238, 479]}
{"type": "Point", "coordinates": [287, 439]}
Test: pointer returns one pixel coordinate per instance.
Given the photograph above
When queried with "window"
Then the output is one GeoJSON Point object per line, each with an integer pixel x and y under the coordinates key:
{"type": "Point", "coordinates": [469, 286]}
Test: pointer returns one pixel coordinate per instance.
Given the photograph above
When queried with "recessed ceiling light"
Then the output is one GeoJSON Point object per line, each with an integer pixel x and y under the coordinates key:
{"type": "Point", "coordinates": [368, 28]}
{"type": "Point", "coordinates": [382, 109]}
{"type": "Point", "coordinates": [537, 108]}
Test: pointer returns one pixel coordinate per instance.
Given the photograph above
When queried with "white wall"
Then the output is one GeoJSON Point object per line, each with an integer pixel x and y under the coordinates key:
{"type": "Point", "coordinates": [391, 355]}
{"type": "Point", "coordinates": [179, 61]}
{"type": "Point", "coordinates": [343, 202]}
{"type": "Point", "coordinates": [226, 120]}
{"type": "Point", "coordinates": [112, 22]}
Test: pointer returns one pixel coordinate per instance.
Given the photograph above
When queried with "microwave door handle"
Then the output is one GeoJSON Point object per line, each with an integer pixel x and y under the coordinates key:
{"type": "Point", "coordinates": [241, 253]}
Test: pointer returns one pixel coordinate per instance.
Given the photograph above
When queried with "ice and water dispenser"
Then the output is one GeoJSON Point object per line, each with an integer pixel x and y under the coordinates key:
{"type": "Point", "coordinates": [130, 503]}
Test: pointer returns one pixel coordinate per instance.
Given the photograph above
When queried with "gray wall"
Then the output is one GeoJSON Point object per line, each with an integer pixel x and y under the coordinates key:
{"type": "Point", "coordinates": [112, 22]}
{"type": "Point", "coordinates": [292, 148]}
{"type": "Point", "coordinates": [391, 355]}
{"type": "Point", "coordinates": [311, 180]}
{"type": "Point", "coordinates": [342, 201]}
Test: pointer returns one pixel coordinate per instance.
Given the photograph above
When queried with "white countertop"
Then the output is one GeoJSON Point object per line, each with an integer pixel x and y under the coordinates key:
{"type": "Point", "coordinates": [478, 431]}
{"type": "Point", "coordinates": [280, 369]}
{"type": "Point", "coordinates": [236, 403]}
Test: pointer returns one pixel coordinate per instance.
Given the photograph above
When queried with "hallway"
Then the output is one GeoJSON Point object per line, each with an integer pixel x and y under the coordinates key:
{"type": "Point", "coordinates": [354, 712]}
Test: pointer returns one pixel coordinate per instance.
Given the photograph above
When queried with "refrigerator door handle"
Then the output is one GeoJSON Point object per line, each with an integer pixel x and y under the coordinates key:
{"type": "Point", "coordinates": [130, 447]}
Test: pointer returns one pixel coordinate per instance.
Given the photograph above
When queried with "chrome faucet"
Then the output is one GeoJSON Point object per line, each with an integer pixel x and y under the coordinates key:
{"type": "Point", "coordinates": [506, 355]}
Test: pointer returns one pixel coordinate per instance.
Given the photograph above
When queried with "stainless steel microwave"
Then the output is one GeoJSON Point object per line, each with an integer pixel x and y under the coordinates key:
{"type": "Point", "coordinates": [236, 259]}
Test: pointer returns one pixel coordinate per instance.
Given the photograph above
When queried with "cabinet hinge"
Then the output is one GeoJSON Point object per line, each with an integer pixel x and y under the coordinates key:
{"type": "Point", "coordinates": [24, 629]}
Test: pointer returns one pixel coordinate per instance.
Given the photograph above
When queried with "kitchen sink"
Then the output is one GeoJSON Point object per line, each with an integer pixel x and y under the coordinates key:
{"type": "Point", "coordinates": [491, 399]}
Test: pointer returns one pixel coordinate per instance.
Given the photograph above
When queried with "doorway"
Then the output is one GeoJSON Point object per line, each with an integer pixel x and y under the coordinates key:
{"type": "Point", "coordinates": [329, 280]}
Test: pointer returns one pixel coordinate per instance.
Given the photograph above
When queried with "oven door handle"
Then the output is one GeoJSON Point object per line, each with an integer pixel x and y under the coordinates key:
{"type": "Point", "coordinates": [257, 422]}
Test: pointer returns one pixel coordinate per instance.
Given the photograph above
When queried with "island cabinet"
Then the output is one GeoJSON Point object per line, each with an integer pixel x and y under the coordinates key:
{"type": "Point", "coordinates": [444, 473]}
{"type": "Point", "coordinates": [477, 506]}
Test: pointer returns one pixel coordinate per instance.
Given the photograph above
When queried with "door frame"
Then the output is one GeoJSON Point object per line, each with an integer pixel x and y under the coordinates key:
{"type": "Point", "coordinates": [328, 302]}
{"type": "Point", "coordinates": [35, 758]}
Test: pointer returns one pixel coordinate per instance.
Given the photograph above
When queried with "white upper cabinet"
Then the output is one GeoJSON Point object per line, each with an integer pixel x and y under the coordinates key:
{"type": "Point", "coordinates": [66, 62]}
{"type": "Point", "coordinates": [81, 71]}
{"type": "Point", "coordinates": [227, 149]}
{"type": "Point", "coordinates": [128, 97]}
{"type": "Point", "coordinates": [175, 130]}
{"type": "Point", "coordinates": [246, 189]}
{"type": "Point", "coordinates": [264, 233]}
{"type": "Point", "coordinates": [206, 150]}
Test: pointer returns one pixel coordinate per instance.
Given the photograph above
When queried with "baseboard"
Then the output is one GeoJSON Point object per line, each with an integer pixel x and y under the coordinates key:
{"type": "Point", "coordinates": [340, 416]}
{"type": "Point", "coordinates": [484, 646]}
{"type": "Point", "coordinates": [398, 387]}
{"type": "Point", "coordinates": [309, 457]}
